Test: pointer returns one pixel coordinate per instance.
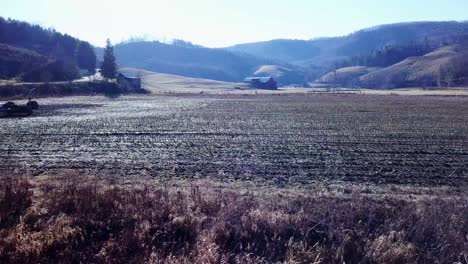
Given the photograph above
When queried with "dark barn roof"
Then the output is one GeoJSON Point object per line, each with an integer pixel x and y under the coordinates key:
{"type": "Point", "coordinates": [262, 82]}
{"type": "Point", "coordinates": [258, 79]}
{"type": "Point", "coordinates": [129, 75]}
{"type": "Point", "coordinates": [129, 80]}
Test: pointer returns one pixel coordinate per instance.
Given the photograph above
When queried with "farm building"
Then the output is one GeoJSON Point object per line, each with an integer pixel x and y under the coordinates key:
{"type": "Point", "coordinates": [262, 82]}
{"type": "Point", "coordinates": [129, 80]}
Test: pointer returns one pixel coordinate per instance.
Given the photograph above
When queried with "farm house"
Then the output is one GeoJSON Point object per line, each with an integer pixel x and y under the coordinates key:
{"type": "Point", "coordinates": [262, 82]}
{"type": "Point", "coordinates": [129, 80]}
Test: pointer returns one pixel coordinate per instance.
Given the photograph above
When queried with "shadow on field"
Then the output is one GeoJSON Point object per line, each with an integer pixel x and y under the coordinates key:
{"type": "Point", "coordinates": [63, 109]}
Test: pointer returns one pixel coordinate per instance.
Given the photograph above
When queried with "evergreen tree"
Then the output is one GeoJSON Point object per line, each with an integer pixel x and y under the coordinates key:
{"type": "Point", "coordinates": [109, 67]}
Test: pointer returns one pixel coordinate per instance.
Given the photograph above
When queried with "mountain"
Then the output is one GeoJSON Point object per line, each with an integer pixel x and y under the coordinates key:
{"type": "Point", "coordinates": [187, 60]}
{"type": "Point", "coordinates": [326, 50]}
{"type": "Point", "coordinates": [289, 60]}
{"type": "Point", "coordinates": [286, 50]}
{"type": "Point", "coordinates": [32, 53]}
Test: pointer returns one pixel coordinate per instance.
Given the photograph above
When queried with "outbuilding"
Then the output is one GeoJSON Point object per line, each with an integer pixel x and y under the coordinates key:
{"type": "Point", "coordinates": [129, 80]}
{"type": "Point", "coordinates": [262, 82]}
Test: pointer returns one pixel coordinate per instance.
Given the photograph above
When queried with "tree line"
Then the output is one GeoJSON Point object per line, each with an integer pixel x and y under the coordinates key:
{"type": "Point", "coordinates": [389, 55]}
{"type": "Point", "coordinates": [451, 74]}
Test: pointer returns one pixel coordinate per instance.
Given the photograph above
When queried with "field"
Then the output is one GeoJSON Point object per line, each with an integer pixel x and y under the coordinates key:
{"type": "Point", "coordinates": [286, 140]}
{"type": "Point", "coordinates": [158, 83]}
{"type": "Point", "coordinates": [289, 178]}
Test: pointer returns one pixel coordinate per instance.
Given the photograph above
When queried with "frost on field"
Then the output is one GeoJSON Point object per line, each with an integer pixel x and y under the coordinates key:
{"type": "Point", "coordinates": [283, 139]}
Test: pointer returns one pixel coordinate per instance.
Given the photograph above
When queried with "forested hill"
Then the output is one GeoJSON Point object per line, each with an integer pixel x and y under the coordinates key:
{"type": "Point", "coordinates": [45, 50]}
{"type": "Point", "coordinates": [186, 59]}
{"type": "Point", "coordinates": [378, 46]}
{"type": "Point", "coordinates": [324, 50]}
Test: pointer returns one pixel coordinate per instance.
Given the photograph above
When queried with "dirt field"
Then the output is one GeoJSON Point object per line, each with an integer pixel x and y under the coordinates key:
{"type": "Point", "coordinates": [286, 140]}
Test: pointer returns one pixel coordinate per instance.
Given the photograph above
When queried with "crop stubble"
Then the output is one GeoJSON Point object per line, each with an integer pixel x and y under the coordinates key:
{"type": "Point", "coordinates": [284, 139]}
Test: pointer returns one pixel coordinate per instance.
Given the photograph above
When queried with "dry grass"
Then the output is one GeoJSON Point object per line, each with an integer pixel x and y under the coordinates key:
{"type": "Point", "coordinates": [346, 74]}
{"type": "Point", "coordinates": [416, 92]}
{"type": "Point", "coordinates": [71, 220]}
{"type": "Point", "coordinates": [158, 83]}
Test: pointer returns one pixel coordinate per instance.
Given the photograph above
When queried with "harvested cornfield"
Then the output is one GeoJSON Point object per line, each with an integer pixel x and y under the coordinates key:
{"type": "Point", "coordinates": [289, 139]}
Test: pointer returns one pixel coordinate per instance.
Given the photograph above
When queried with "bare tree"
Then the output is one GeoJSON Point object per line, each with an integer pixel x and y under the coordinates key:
{"type": "Point", "coordinates": [441, 76]}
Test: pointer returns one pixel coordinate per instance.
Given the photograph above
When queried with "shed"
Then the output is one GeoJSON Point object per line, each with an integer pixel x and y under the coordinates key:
{"type": "Point", "coordinates": [262, 82]}
{"type": "Point", "coordinates": [129, 80]}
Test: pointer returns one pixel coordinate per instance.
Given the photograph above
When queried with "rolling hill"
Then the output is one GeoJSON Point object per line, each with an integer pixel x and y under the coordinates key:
{"type": "Point", "coordinates": [326, 50]}
{"type": "Point", "coordinates": [187, 60]}
{"type": "Point", "coordinates": [445, 66]}
{"type": "Point", "coordinates": [348, 76]}
{"type": "Point", "coordinates": [283, 76]}
{"type": "Point", "coordinates": [290, 60]}
{"type": "Point", "coordinates": [155, 82]}
{"type": "Point", "coordinates": [287, 60]}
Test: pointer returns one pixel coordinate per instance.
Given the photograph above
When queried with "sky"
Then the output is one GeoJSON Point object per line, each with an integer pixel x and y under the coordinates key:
{"type": "Point", "coordinates": [221, 23]}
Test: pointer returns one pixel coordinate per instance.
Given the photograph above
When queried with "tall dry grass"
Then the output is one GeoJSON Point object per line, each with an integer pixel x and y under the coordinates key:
{"type": "Point", "coordinates": [85, 221]}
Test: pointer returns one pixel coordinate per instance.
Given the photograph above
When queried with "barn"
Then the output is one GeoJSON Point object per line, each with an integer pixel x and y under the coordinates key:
{"type": "Point", "coordinates": [262, 82]}
{"type": "Point", "coordinates": [129, 80]}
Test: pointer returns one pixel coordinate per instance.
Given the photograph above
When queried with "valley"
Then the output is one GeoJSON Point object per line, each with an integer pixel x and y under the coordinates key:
{"type": "Point", "coordinates": [347, 149]}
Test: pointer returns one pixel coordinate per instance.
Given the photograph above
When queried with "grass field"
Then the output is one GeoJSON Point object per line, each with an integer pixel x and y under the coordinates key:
{"type": "Point", "coordinates": [160, 83]}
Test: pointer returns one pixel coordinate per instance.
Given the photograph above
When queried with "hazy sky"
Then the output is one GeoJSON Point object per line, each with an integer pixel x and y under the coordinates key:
{"type": "Point", "coordinates": [218, 23]}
